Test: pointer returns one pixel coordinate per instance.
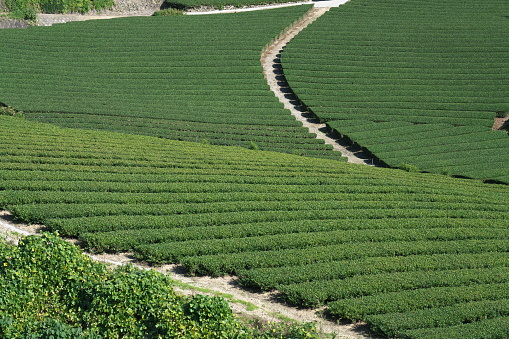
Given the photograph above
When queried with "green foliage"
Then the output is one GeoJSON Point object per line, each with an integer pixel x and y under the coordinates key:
{"type": "Point", "coordinates": [102, 4]}
{"type": "Point", "coordinates": [485, 328]}
{"type": "Point", "coordinates": [49, 290]}
{"type": "Point", "coordinates": [214, 318]}
{"type": "Point", "coordinates": [29, 8]}
{"type": "Point", "coordinates": [42, 278]}
{"type": "Point", "coordinates": [24, 13]}
{"type": "Point", "coordinates": [360, 241]}
{"type": "Point", "coordinates": [285, 330]}
{"type": "Point", "coordinates": [217, 92]}
{"type": "Point", "coordinates": [56, 329]}
{"type": "Point", "coordinates": [397, 324]}
{"type": "Point", "coordinates": [253, 146]}
{"type": "Point", "coordinates": [168, 12]}
{"type": "Point", "coordinates": [401, 91]}
{"type": "Point", "coordinates": [10, 111]}
{"type": "Point", "coordinates": [409, 168]}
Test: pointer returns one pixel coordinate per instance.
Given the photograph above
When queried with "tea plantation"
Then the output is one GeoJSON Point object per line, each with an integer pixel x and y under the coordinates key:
{"type": "Point", "coordinates": [369, 243]}
{"type": "Point", "coordinates": [182, 77]}
{"type": "Point", "coordinates": [120, 149]}
{"type": "Point", "coordinates": [414, 82]}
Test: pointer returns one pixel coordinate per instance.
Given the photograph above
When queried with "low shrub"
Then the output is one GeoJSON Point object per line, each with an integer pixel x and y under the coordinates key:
{"type": "Point", "coordinates": [10, 111]}
{"type": "Point", "coordinates": [168, 12]}
{"type": "Point", "coordinates": [409, 168]}
{"type": "Point", "coordinates": [27, 9]}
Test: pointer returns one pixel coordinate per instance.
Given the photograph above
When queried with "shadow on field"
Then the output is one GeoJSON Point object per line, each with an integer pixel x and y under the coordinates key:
{"type": "Point", "coordinates": [342, 140]}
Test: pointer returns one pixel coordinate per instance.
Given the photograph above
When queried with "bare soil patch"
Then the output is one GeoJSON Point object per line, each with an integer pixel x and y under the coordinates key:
{"type": "Point", "coordinates": [498, 123]}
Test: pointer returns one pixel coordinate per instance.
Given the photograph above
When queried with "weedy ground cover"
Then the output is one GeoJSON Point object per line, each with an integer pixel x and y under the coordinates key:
{"type": "Point", "coordinates": [185, 78]}
{"type": "Point", "coordinates": [414, 82]}
{"type": "Point", "coordinates": [368, 243]}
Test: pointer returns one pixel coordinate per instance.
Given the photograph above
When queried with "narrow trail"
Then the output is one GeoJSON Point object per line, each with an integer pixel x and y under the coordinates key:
{"type": "Point", "coordinates": [263, 306]}
{"type": "Point", "coordinates": [274, 74]}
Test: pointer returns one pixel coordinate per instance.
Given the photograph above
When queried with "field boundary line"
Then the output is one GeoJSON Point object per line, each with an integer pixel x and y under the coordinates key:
{"type": "Point", "coordinates": [273, 72]}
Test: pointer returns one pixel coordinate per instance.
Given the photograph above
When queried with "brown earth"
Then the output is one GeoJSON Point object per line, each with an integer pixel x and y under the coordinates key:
{"type": "Point", "coordinates": [498, 123]}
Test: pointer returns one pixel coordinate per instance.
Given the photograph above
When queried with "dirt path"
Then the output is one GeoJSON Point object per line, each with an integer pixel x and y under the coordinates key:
{"type": "Point", "coordinates": [254, 305]}
{"type": "Point", "coordinates": [273, 71]}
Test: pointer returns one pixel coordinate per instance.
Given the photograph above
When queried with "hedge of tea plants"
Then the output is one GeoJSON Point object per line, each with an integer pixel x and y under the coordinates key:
{"type": "Point", "coordinates": [191, 78]}
{"type": "Point", "coordinates": [368, 243]}
{"type": "Point", "coordinates": [414, 82]}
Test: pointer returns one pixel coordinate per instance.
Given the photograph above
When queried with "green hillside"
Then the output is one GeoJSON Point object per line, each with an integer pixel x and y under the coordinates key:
{"type": "Point", "coordinates": [416, 82]}
{"type": "Point", "coordinates": [373, 244]}
{"type": "Point", "coordinates": [192, 78]}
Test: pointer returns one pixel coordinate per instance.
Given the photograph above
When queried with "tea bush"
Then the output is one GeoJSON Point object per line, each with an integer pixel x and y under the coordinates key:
{"type": "Point", "coordinates": [398, 86]}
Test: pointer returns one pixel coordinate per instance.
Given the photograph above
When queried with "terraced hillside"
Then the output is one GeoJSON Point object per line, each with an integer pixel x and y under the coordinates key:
{"type": "Point", "coordinates": [415, 82]}
{"type": "Point", "coordinates": [184, 78]}
{"type": "Point", "coordinates": [410, 253]}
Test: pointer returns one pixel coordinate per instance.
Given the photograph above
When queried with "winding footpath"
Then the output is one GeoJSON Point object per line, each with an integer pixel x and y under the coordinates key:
{"type": "Point", "coordinates": [273, 71]}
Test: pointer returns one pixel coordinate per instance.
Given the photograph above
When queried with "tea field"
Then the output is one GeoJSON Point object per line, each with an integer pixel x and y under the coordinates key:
{"type": "Point", "coordinates": [414, 254]}
{"type": "Point", "coordinates": [414, 82]}
{"type": "Point", "coordinates": [181, 77]}
{"type": "Point", "coordinates": [120, 149]}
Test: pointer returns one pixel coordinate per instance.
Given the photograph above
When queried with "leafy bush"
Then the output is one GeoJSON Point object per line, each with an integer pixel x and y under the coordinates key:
{"type": "Point", "coordinates": [409, 168]}
{"type": "Point", "coordinates": [8, 110]}
{"type": "Point", "coordinates": [168, 11]}
{"type": "Point", "coordinates": [253, 146]}
{"type": "Point", "coordinates": [27, 9]}
{"type": "Point", "coordinates": [25, 13]}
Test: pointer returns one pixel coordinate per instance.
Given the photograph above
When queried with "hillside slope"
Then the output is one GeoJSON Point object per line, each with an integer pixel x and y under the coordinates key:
{"type": "Point", "coordinates": [365, 241]}
{"type": "Point", "coordinates": [192, 78]}
{"type": "Point", "coordinates": [415, 82]}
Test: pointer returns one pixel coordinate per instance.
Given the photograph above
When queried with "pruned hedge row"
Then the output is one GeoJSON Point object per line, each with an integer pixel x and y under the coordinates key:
{"type": "Point", "coordinates": [361, 241]}
{"type": "Point", "coordinates": [415, 82]}
{"type": "Point", "coordinates": [189, 78]}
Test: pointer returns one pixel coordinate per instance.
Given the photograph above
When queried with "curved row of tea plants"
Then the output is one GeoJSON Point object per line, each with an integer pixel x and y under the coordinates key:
{"type": "Point", "coordinates": [49, 289]}
{"type": "Point", "coordinates": [184, 78]}
{"type": "Point", "coordinates": [367, 242]}
{"type": "Point", "coordinates": [414, 82]}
